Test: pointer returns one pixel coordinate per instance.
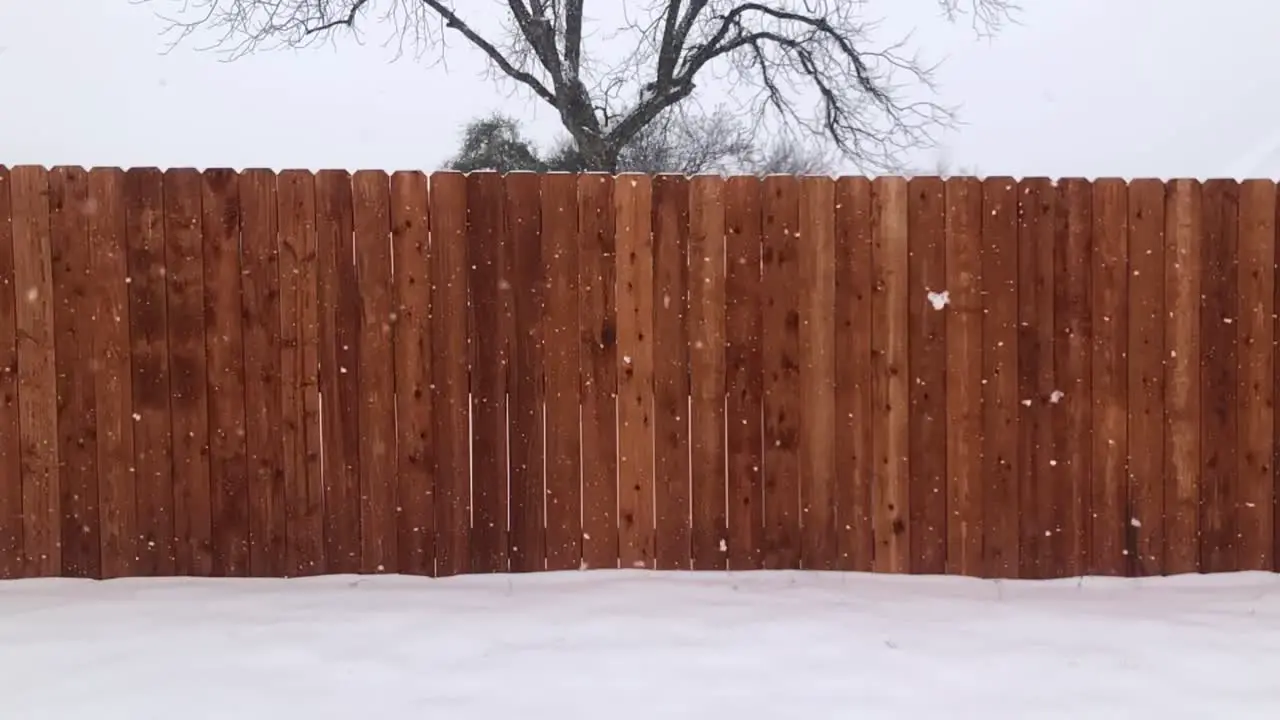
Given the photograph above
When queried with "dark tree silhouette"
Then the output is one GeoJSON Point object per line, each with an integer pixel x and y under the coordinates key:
{"type": "Point", "coordinates": [716, 143]}
{"type": "Point", "coordinates": [814, 66]}
{"type": "Point", "coordinates": [496, 143]}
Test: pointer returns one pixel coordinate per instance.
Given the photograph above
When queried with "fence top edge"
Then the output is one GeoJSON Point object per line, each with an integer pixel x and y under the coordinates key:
{"type": "Point", "coordinates": [257, 170]}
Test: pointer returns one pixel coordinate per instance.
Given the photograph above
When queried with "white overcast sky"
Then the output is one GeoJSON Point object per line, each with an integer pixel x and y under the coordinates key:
{"type": "Point", "coordinates": [1083, 87]}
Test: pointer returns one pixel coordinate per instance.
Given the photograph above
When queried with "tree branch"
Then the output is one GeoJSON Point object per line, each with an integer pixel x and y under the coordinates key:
{"type": "Point", "coordinates": [573, 39]}
{"type": "Point", "coordinates": [453, 22]}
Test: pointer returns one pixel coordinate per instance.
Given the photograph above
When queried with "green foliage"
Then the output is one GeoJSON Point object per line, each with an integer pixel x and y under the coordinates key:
{"type": "Point", "coordinates": [496, 143]}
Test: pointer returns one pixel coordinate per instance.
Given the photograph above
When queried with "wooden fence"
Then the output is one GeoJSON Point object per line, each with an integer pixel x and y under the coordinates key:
{"type": "Point", "coordinates": [993, 378]}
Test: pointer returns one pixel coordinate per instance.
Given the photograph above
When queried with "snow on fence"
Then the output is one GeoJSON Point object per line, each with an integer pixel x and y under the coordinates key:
{"type": "Point", "coordinates": [979, 377]}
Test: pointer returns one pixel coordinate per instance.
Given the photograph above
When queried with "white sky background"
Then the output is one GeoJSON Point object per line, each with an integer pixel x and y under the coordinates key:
{"type": "Point", "coordinates": [1083, 87]}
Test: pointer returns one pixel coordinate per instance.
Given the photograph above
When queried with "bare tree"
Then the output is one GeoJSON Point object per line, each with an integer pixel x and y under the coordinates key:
{"type": "Point", "coordinates": [787, 156]}
{"type": "Point", "coordinates": [813, 65]}
{"type": "Point", "coordinates": [675, 142]}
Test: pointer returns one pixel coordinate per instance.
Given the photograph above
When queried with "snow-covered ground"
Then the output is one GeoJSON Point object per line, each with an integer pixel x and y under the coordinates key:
{"type": "Point", "coordinates": [622, 645]}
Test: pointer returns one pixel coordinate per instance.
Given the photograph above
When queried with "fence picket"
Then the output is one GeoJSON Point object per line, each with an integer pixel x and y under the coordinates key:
{"type": "Point", "coordinates": [415, 442]}
{"type": "Point", "coordinates": [113, 392]}
{"type": "Point", "coordinates": [527, 541]}
{"type": "Point", "coordinates": [927, 359]}
{"type": "Point", "coordinates": [706, 342]}
{"type": "Point", "coordinates": [1182, 262]}
{"type": "Point", "coordinates": [260, 303]}
{"type": "Point", "coordinates": [780, 358]}
{"type": "Point", "coordinates": [633, 200]}
{"type": "Point", "coordinates": [891, 375]}
{"type": "Point", "coordinates": [600, 331]}
{"type": "Point", "coordinates": [1147, 354]}
{"type": "Point", "coordinates": [1000, 401]}
{"type": "Point", "coordinates": [299, 368]}
{"type": "Point", "coordinates": [561, 364]}
{"type": "Point", "coordinates": [1219, 418]}
{"type": "Point", "coordinates": [670, 224]}
{"type": "Point", "coordinates": [450, 405]}
{"type": "Point", "coordinates": [371, 217]}
{"type": "Point", "coordinates": [11, 551]}
{"type": "Point", "coordinates": [745, 374]}
{"type": "Point", "coordinates": [1256, 380]}
{"type": "Point", "coordinates": [964, 310]}
{"type": "Point", "coordinates": [1072, 351]}
{"type": "Point", "coordinates": [73, 312]}
{"type": "Point", "coordinates": [188, 402]}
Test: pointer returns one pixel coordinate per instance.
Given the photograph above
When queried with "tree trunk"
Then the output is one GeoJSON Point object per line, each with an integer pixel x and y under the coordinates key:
{"type": "Point", "coordinates": [599, 156]}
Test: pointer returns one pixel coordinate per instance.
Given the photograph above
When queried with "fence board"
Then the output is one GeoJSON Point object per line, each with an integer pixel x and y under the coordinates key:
{"type": "Point", "coordinates": [339, 429]}
{"type": "Point", "coordinates": [75, 364]}
{"type": "Point", "coordinates": [670, 223]}
{"type": "Point", "coordinates": [486, 234]}
{"type": "Point", "coordinates": [744, 380]}
{"type": "Point", "coordinates": [598, 318]}
{"type": "Point", "coordinates": [371, 219]}
{"type": "Point", "coordinates": [1219, 388]}
{"type": "Point", "coordinates": [927, 358]}
{"type": "Point", "coordinates": [37, 375]}
{"type": "Point", "coordinates": [1110, 276]}
{"type": "Point", "coordinates": [1256, 318]}
{"type": "Point", "coordinates": [963, 359]}
{"type": "Point", "coordinates": [633, 200]}
{"type": "Point", "coordinates": [1275, 380]}
{"type": "Point", "coordinates": [415, 454]}
{"type": "Point", "coordinates": [450, 259]}
{"type": "Point", "coordinates": [891, 374]}
{"type": "Point", "coordinates": [188, 401]}
{"type": "Point", "coordinates": [1182, 262]}
{"type": "Point", "coordinates": [1037, 477]}
{"type": "Point", "coordinates": [11, 552]}
{"type": "Point", "coordinates": [113, 392]}
{"type": "Point", "coordinates": [527, 541]}
{"type": "Point", "coordinates": [780, 357]}
{"type": "Point", "coordinates": [1072, 405]}
{"type": "Point", "coordinates": [148, 336]}
{"type": "Point", "coordinates": [561, 365]}
{"type": "Point", "coordinates": [815, 263]}
{"type": "Point", "coordinates": [855, 416]}
{"type": "Point", "coordinates": [1000, 401]}
{"type": "Point", "coordinates": [1147, 354]}
{"type": "Point", "coordinates": [299, 373]}
{"type": "Point", "coordinates": [260, 302]}
{"type": "Point", "coordinates": [224, 338]}
{"type": "Point", "coordinates": [706, 341]}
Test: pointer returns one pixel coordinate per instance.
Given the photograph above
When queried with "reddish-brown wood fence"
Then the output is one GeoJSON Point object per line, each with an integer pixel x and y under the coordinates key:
{"type": "Point", "coordinates": [266, 374]}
